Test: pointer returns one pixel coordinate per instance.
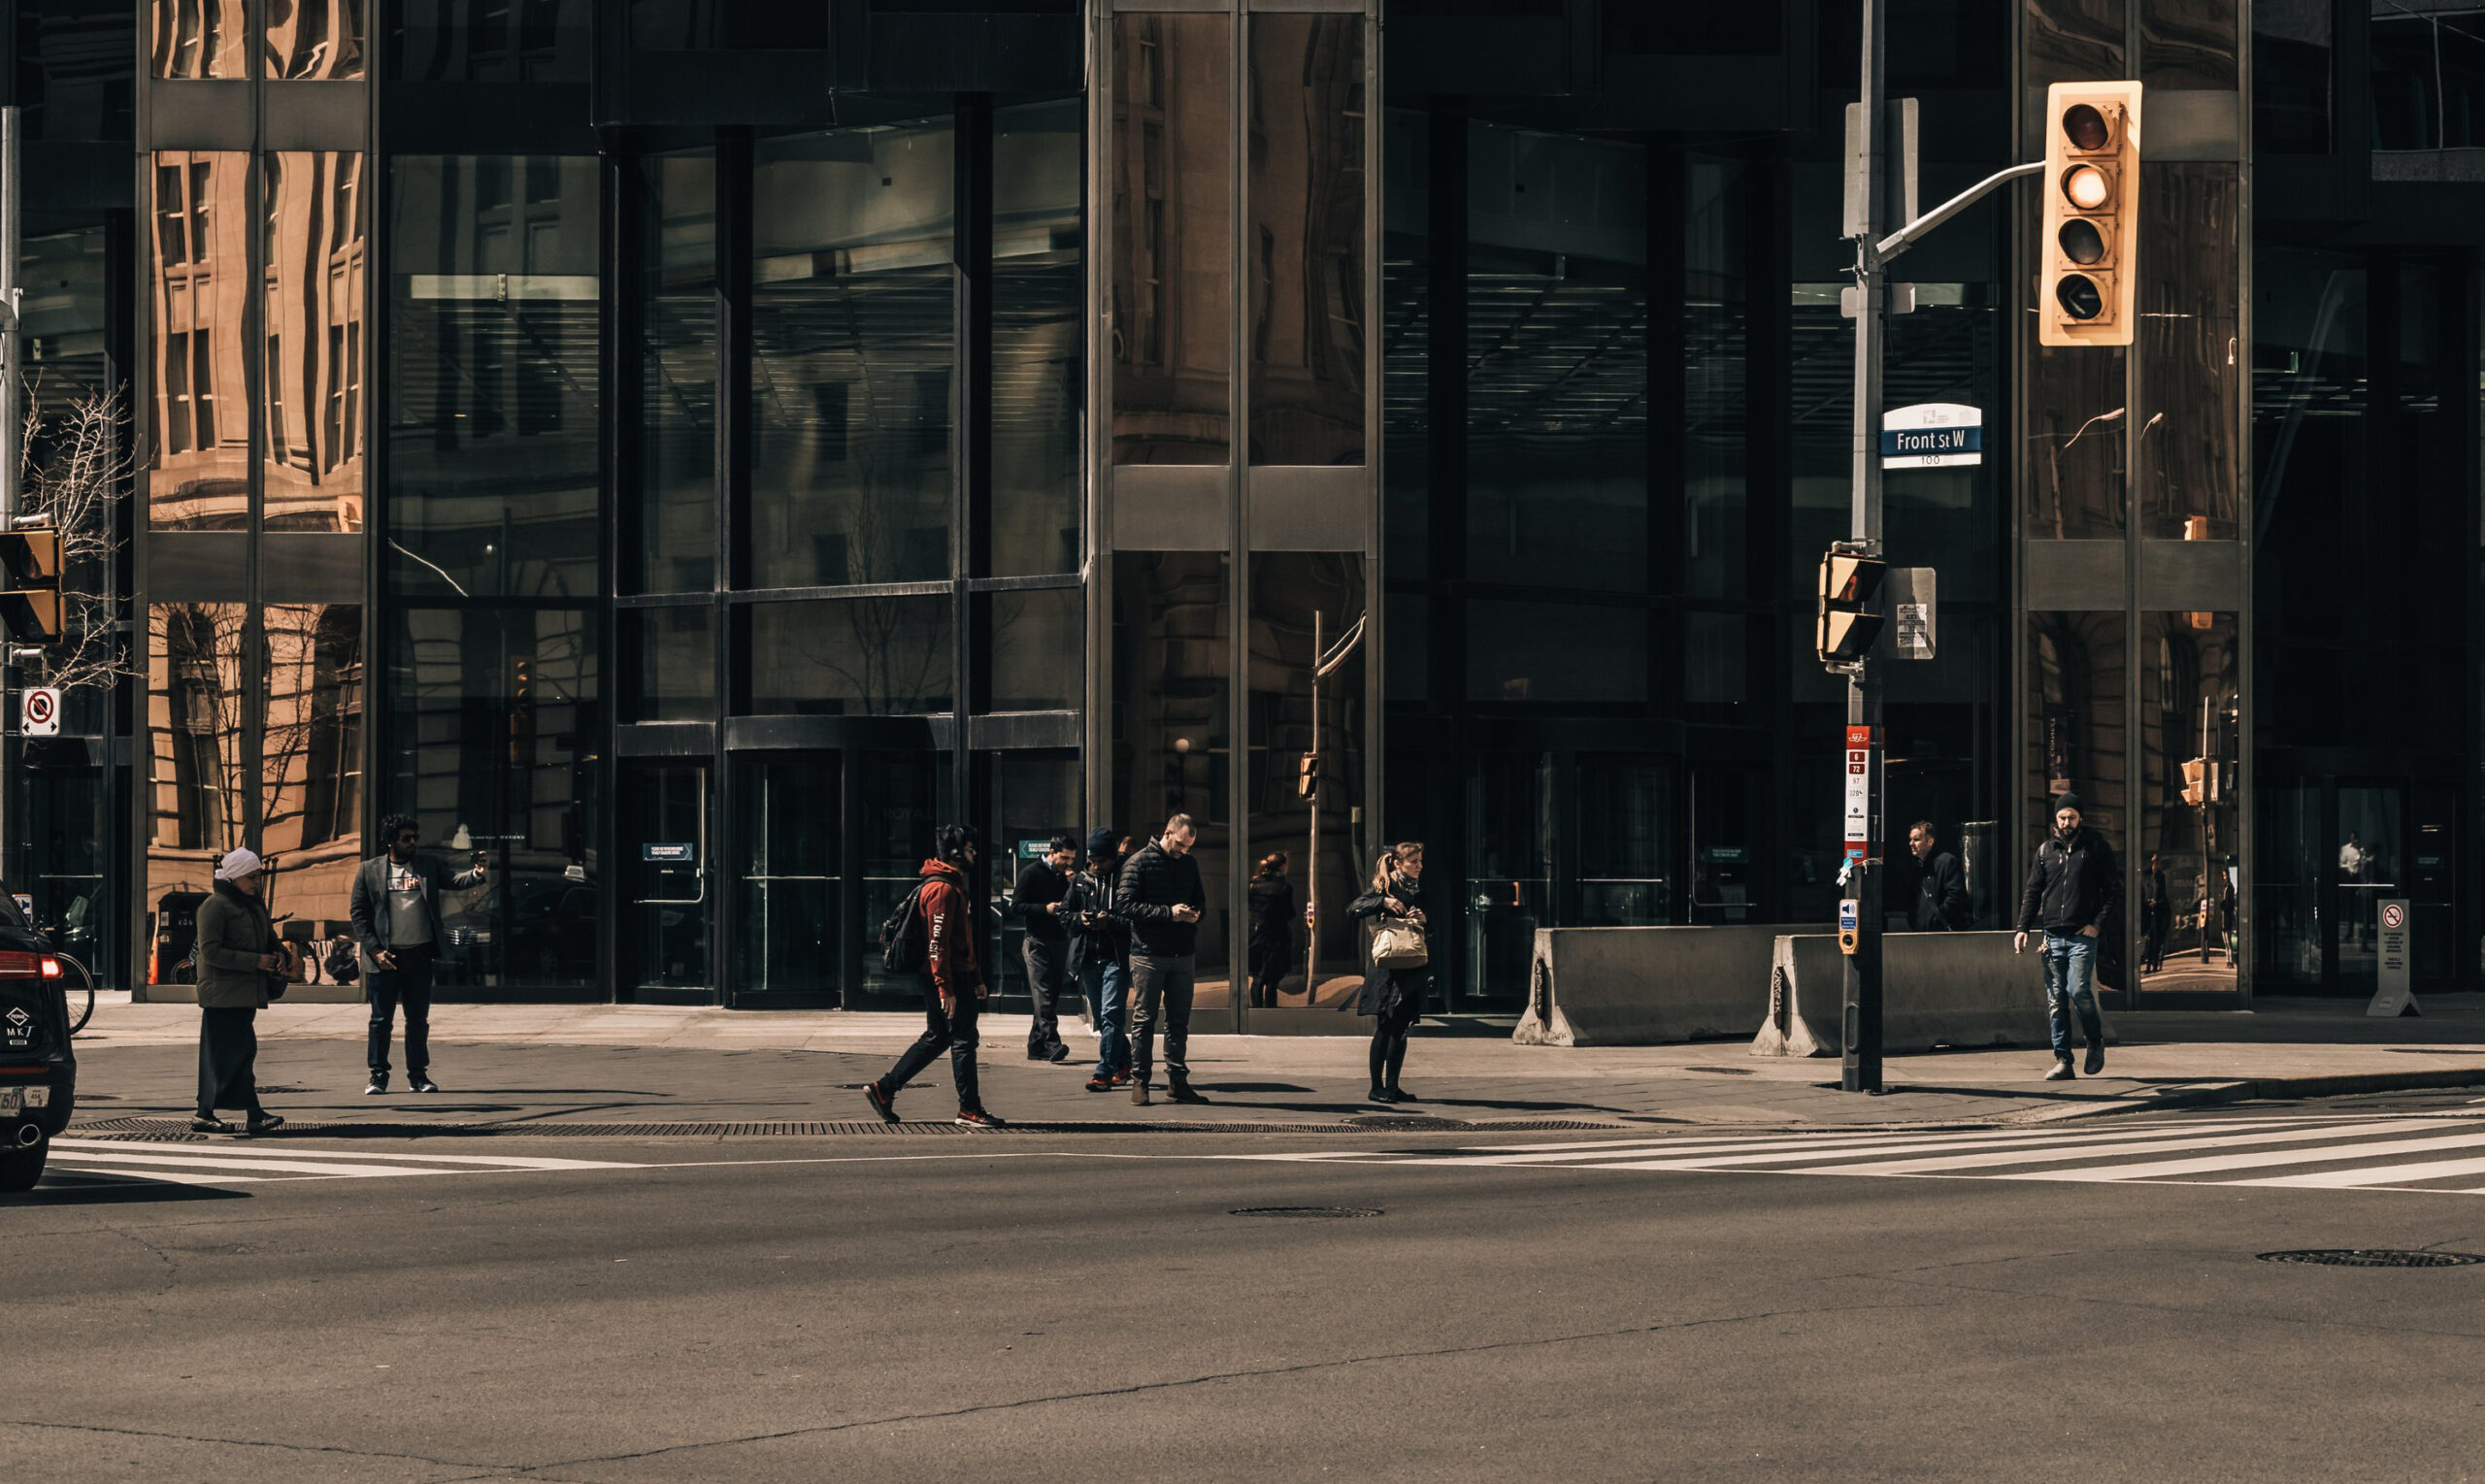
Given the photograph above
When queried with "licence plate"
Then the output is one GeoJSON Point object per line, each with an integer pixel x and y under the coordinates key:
{"type": "Point", "coordinates": [17, 1100]}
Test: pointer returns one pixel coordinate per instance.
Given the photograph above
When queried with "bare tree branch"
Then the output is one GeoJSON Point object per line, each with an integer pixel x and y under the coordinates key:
{"type": "Point", "coordinates": [75, 464]}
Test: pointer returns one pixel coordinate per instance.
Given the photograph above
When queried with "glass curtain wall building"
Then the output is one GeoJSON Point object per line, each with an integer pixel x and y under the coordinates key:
{"type": "Point", "coordinates": [684, 452]}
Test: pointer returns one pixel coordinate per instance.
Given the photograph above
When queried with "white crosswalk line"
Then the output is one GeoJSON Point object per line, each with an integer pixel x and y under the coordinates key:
{"type": "Point", "coordinates": [2007, 1149]}
{"type": "Point", "coordinates": [1689, 1140]}
{"type": "Point", "coordinates": [2095, 1150]}
{"type": "Point", "coordinates": [1816, 1143]}
{"type": "Point", "coordinates": [288, 1148]}
{"type": "Point", "coordinates": [2387, 1174]}
{"type": "Point", "coordinates": [2216, 1164]}
{"type": "Point", "coordinates": [83, 1160]}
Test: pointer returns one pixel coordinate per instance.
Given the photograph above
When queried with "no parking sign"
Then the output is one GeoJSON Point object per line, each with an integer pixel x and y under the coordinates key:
{"type": "Point", "coordinates": [39, 714]}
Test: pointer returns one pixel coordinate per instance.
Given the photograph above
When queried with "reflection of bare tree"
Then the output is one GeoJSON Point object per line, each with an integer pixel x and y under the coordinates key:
{"type": "Point", "coordinates": [198, 695]}
{"type": "Point", "coordinates": [75, 468]}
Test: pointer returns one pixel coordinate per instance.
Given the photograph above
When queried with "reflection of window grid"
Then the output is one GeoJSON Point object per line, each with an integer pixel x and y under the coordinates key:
{"type": "Point", "coordinates": [1149, 272]}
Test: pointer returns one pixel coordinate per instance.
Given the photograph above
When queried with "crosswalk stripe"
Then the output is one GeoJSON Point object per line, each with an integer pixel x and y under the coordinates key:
{"type": "Point", "coordinates": [2005, 1150]}
{"type": "Point", "coordinates": [52, 1176]}
{"type": "Point", "coordinates": [288, 1149]}
{"type": "Point", "coordinates": [2214, 1164]}
{"type": "Point", "coordinates": [81, 1160]}
{"type": "Point", "coordinates": [2387, 1174]}
{"type": "Point", "coordinates": [1827, 1139]}
{"type": "Point", "coordinates": [2093, 1150]}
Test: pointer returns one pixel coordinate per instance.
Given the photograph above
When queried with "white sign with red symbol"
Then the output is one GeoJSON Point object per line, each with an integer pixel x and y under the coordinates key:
{"type": "Point", "coordinates": [1859, 792]}
{"type": "Point", "coordinates": [2394, 994]}
{"type": "Point", "coordinates": [39, 714]}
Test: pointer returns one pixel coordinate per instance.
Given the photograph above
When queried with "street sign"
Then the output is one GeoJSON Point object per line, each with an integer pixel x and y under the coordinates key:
{"type": "Point", "coordinates": [683, 851]}
{"type": "Point", "coordinates": [1932, 435]}
{"type": "Point", "coordinates": [2394, 997]}
{"type": "Point", "coordinates": [39, 714]}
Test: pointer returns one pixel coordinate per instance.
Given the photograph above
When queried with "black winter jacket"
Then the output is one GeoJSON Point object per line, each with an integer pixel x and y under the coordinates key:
{"type": "Point", "coordinates": [1037, 888]}
{"type": "Point", "coordinates": [1096, 935]}
{"type": "Point", "coordinates": [1942, 896]}
{"type": "Point", "coordinates": [2075, 883]}
{"type": "Point", "coordinates": [1385, 989]}
{"type": "Point", "coordinates": [1151, 885]}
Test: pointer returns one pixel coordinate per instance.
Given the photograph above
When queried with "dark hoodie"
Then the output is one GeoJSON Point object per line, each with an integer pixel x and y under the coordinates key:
{"type": "Point", "coordinates": [948, 917]}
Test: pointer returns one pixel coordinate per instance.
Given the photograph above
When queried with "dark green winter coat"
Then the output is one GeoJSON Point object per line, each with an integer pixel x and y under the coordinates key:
{"type": "Point", "coordinates": [233, 931]}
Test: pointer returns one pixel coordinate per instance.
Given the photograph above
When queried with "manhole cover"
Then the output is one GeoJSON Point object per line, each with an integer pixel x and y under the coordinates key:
{"type": "Point", "coordinates": [1305, 1212]}
{"type": "Point", "coordinates": [2374, 1257]}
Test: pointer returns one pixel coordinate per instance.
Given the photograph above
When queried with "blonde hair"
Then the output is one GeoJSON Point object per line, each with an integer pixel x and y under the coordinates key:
{"type": "Point", "coordinates": [1405, 849]}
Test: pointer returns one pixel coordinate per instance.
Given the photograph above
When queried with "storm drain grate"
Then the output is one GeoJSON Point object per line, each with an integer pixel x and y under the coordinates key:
{"type": "Point", "coordinates": [1306, 1212]}
{"type": "Point", "coordinates": [2374, 1257]}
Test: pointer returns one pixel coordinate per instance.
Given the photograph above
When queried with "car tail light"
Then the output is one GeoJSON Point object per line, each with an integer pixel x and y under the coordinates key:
{"type": "Point", "coordinates": [20, 965]}
{"type": "Point", "coordinates": [50, 966]}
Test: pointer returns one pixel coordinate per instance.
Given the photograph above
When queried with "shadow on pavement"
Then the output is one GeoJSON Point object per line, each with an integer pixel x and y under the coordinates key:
{"type": "Point", "coordinates": [130, 1190]}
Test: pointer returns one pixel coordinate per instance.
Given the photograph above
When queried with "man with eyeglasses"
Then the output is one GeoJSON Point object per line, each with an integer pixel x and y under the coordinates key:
{"type": "Point", "coordinates": [396, 924]}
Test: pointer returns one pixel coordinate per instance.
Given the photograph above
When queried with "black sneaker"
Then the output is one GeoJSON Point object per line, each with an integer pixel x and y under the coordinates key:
{"type": "Point", "coordinates": [882, 1103]}
{"type": "Point", "coordinates": [379, 1085]}
{"type": "Point", "coordinates": [2061, 1072]}
{"type": "Point", "coordinates": [2096, 1061]}
{"type": "Point", "coordinates": [1378, 1094]}
{"type": "Point", "coordinates": [421, 1085]}
{"type": "Point", "coordinates": [265, 1123]}
{"type": "Point", "coordinates": [1060, 1052]}
{"type": "Point", "coordinates": [977, 1119]}
{"type": "Point", "coordinates": [206, 1125]}
{"type": "Point", "coordinates": [1401, 1095]}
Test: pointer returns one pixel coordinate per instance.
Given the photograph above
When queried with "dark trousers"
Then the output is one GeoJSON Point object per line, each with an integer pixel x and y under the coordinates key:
{"type": "Point", "coordinates": [228, 1044]}
{"type": "Point", "coordinates": [1047, 971]}
{"type": "Point", "coordinates": [408, 984]}
{"type": "Point", "coordinates": [1161, 986]}
{"type": "Point", "coordinates": [1389, 1038]}
{"type": "Point", "coordinates": [941, 1032]}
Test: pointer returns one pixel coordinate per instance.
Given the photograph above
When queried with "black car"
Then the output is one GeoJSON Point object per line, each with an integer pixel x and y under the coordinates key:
{"type": "Point", "coordinates": [38, 1072]}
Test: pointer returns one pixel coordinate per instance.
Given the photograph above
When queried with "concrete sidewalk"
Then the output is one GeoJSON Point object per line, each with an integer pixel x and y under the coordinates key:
{"type": "Point", "coordinates": [538, 1064]}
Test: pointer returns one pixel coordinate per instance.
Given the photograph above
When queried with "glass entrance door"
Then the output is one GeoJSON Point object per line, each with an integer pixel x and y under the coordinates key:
{"type": "Point", "coordinates": [665, 901]}
{"type": "Point", "coordinates": [2372, 866]}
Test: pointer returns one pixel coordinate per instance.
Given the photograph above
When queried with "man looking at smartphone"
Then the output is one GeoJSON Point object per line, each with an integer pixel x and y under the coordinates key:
{"type": "Point", "coordinates": [1160, 897]}
{"type": "Point", "coordinates": [396, 923]}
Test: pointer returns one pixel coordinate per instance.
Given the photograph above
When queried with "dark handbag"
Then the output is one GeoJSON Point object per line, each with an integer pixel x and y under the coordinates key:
{"type": "Point", "coordinates": [342, 964]}
{"type": "Point", "coordinates": [278, 980]}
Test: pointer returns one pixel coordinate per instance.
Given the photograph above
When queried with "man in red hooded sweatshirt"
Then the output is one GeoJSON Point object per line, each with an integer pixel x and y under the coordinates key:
{"type": "Point", "coordinates": [955, 995]}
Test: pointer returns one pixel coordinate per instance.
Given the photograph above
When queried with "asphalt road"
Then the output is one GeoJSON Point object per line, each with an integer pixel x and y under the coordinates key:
{"type": "Point", "coordinates": [1048, 1307]}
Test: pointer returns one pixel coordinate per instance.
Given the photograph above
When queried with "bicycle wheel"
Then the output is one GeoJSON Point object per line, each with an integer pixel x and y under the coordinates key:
{"type": "Point", "coordinates": [78, 988]}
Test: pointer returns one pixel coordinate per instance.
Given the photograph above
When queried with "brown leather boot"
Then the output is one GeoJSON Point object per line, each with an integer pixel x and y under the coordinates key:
{"type": "Point", "coordinates": [1137, 1090]}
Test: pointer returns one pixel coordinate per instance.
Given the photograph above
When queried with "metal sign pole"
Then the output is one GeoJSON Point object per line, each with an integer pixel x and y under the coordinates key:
{"type": "Point", "coordinates": [1860, 1067]}
{"type": "Point", "coordinates": [13, 455]}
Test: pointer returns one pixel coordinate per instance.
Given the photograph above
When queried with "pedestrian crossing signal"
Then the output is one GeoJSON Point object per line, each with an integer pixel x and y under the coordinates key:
{"type": "Point", "coordinates": [1850, 588]}
{"type": "Point", "coordinates": [2092, 213]}
{"type": "Point", "coordinates": [31, 603]}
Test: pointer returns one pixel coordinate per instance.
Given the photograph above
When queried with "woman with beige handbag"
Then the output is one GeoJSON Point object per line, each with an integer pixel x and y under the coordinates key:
{"type": "Point", "coordinates": [1400, 977]}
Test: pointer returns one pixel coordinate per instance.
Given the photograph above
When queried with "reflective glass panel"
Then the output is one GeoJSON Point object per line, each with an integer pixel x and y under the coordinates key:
{"type": "Point", "coordinates": [1555, 652]}
{"type": "Point", "coordinates": [677, 663]}
{"type": "Point", "coordinates": [198, 766]}
{"type": "Point", "coordinates": [1307, 844]}
{"type": "Point", "coordinates": [65, 93]}
{"type": "Point", "coordinates": [1716, 247]}
{"type": "Point", "coordinates": [494, 468]}
{"type": "Point", "coordinates": [851, 371]}
{"type": "Point", "coordinates": [2190, 471]}
{"type": "Point", "coordinates": [788, 887]}
{"type": "Point", "coordinates": [1038, 378]}
{"type": "Point", "coordinates": [2187, 43]}
{"type": "Point", "coordinates": [674, 542]}
{"type": "Point", "coordinates": [849, 657]}
{"type": "Point", "coordinates": [197, 38]}
{"type": "Point", "coordinates": [1557, 342]}
{"type": "Point", "coordinates": [2189, 853]}
{"type": "Point", "coordinates": [499, 41]}
{"type": "Point", "coordinates": [1173, 633]}
{"type": "Point", "coordinates": [1625, 836]}
{"type": "Point", "coordinates": [493, 716]}
{"type": "Point", "coordinates": [738, 25]}
{"type": "Point", "coordinates": [316, 255]}
{"type": "Point", "coordinates": [1305, 250]}
{"type": "Point", "coordinates": [199, 443]}
{"type": "Point", "coordinates": [1038, 645]}
{"type": "Point", "coordinates": [310, 759]}
{"type": "Point", "coordinates": [1406, 348]}
{"type": "Point", "coordinates": [2078, 722]}
{"type": "Point", "coordinates": [1172, 314]}
{"type": "Point", "coordinates": [312, 39]}
{"type": "Point", "coordinates": [902, 799]}
{"type": "Point", "coordinates": [2292, 78]}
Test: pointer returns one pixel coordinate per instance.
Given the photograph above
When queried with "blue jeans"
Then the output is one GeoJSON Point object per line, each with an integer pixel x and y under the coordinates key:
{"type": "Point", "coordinates": [1108, 988]}
{"type": "Point", "coordinates": [2071, 984]}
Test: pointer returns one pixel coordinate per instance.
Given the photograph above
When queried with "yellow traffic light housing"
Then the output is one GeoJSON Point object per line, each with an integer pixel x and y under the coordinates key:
{"type": "Point", "coordinates": [1308, 781]}
{"type": "Point", "coordinates": [1850, 587]}
{"type": "Point", "coordinates": [31, 603]}
{"type": "Point", "coordinates": [2092, 214]}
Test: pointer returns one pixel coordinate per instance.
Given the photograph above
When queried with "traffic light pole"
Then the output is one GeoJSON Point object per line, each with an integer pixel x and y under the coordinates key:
{"type": "Point", "coordinates": [13, 454]}
{"type": "Point", "coordinates": [1860, 1037]}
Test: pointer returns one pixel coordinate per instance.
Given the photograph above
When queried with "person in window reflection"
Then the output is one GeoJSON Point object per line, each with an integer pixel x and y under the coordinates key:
{"type": "Point", "coordinates": [1393, 993]}
{"type": "Point", "coordinates": [954, 996]}
{"type": "Point", "coordinates": [2156, 916]}
{"type": "Point", "coordinates": [2073, 888]}
{"type": "Point", "coordinates": [1272, 928]}
{"type": "Point", "coordinates": [1100, 956]}
{"type": "Point", "coordinates": [1160, 896]}
{"type": "Point", "coordinates": [395, 910]}
{"type": "Point", "coordinates": [1038, 899]}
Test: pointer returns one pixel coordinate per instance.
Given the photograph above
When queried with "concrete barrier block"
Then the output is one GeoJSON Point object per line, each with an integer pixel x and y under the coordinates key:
{"type": "Point", "coordinates": [1938, 989]}
{"type": "Point", "coordinates": [1645, 986]}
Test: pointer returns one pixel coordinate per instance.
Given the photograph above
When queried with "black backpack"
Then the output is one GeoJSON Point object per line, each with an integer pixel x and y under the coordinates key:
{"type": "Point", "coordinates": [906, 939]}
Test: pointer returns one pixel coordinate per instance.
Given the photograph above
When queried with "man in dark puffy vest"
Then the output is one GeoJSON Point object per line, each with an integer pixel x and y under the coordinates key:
{"type": "Point", "coordinates": [955, 992]}
{"type": "Point", "coordinates": [2074, 887]}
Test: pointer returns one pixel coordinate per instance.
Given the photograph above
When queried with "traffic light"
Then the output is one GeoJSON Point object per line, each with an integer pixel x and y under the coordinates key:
{"type": "Point", "coordinates": [2092, 213]}
{"type": "Point", "coordinates": [31, 603]}
{"type": "Point", "coordinates": [2196, 781]}
{"type": "Point", "coordinates": [1850, 586]}
{"type": "Point", "coordinates": [1307, 783]}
